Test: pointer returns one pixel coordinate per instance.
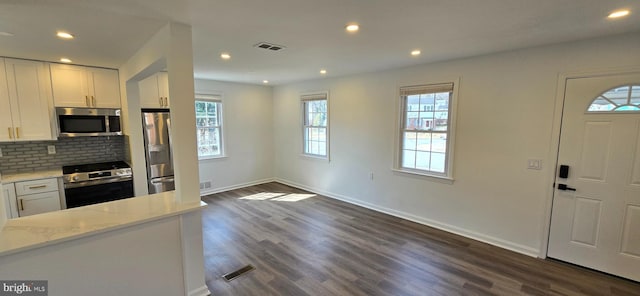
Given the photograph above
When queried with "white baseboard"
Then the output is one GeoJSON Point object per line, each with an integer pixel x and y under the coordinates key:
{"type": "Point", "coordinates": [202, 291]}
{"type": "Point", "coordinates": [237, 186]}
{"type": "Point", "coordinates": [518, 248]}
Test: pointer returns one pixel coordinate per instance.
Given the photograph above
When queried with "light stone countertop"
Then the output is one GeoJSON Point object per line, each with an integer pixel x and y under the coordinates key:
{"type": "Point", "coordinates": [17, 177]}
{"type": "Point", "coordinates": [30, 232]}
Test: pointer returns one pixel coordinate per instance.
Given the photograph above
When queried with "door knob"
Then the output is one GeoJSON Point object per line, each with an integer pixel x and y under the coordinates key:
{"type": "Point", "coordinates": [565, 187]}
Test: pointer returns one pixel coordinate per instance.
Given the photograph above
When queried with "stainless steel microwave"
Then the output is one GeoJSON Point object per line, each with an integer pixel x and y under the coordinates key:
{"type": "Point", "coordinates": [88, 122]}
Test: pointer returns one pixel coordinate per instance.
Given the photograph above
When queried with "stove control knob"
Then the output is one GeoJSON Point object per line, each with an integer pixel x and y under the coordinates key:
{"type": "Point", "coordinates": [75, 178]}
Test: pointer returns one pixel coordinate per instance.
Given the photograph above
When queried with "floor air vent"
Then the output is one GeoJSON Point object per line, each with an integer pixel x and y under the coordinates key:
{"type": "Point", "coordinates": [235, 274]}
{"type": "Point", "coordinates": [269, 46]}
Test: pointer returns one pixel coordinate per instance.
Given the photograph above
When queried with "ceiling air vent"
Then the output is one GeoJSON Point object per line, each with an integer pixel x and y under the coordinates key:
{"type": "Point", "coordinates": [269, 46]}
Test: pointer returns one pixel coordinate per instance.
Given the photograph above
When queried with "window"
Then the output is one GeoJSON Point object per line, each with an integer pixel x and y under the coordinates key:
{"type": "Point", "coordinates": [426, 129]}
{"type": "Point", "coordinates": [619, 99]}
{"type": "Point", "coordinates": [315, 125]}
{"type": "Point", "coordinates": [209, 126]}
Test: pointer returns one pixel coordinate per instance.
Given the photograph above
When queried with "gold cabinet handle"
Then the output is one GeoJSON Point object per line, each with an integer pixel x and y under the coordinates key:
{"type": "Point", "coordinates": [21, 205]}
{"type": "Point", "coordinates": [17, 133]}
{"type": "Point", "coordinates": [10, 131]}
{"type": "Point", "coordinates": [160, 101]}
{"type": "Point", "coordinates": [38, 187]}
{"type": "Point", "coordinates": [93, 101]}
{"type": "Point", "coordinates": [164, 101]}
{"type": "Point", "coordinates": [86, 101]}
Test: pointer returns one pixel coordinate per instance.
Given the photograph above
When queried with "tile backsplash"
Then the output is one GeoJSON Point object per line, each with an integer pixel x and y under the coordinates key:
{"type": "Point", "coordinates": [22, 157]}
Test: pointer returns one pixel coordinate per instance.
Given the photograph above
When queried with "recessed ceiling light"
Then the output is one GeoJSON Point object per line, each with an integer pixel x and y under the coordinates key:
{"type": "Point", "coordinates": [619, 13]}
{"type": "Point", "coordinates": [265, 81]}
{"type": "Point", "coordinates": [352, 28]}
{"type": "Point", "coordinates": [225, 56]}
{"type": "Point", "coordinates": [415, 52]}
{"type": "Point", "coordinates": [65, 60]}
{"type": "Point", "coordinates": [64, 35]}
{"type": "Point", "coordinates": [7, 34]}
{"type": "Point", "coordinates": [323, 71]}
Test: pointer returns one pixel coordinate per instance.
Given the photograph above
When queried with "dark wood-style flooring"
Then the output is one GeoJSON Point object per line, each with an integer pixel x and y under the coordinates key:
{"type": "Point", "coordinates": [305, 244]}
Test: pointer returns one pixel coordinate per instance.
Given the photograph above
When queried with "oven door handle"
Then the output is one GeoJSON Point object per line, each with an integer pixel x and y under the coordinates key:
{"type": "Point", "coordinates": [97, 182]}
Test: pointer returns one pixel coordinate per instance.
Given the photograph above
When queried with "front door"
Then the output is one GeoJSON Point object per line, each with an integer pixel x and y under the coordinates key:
{"type": "Point", "coordinates": [595, 220]}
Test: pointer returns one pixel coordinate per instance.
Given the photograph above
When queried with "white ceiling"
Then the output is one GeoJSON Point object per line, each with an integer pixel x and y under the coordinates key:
{"type": "Point", "coordinates": [109, 32]}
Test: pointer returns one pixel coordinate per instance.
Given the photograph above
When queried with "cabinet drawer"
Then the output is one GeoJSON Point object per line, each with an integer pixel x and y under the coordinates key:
{"type": "Point", "coordinates": [36, 186]}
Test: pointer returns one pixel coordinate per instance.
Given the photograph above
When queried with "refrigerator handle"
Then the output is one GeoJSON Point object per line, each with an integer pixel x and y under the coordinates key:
{"type": "Point", "coordinates": [170, 144]}
{"type": "Point", "coordinates": [162, 180]}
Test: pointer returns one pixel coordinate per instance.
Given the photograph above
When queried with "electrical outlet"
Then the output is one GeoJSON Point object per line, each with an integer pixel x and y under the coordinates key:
{"type": "Point", "coordinates": [206, 184]}
{"type": "Point", "coordinates": [51, 149]}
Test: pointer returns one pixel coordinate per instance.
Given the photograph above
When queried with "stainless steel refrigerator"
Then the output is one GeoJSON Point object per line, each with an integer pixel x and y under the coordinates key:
{"type": "Point", "coordinates": [157, 142]}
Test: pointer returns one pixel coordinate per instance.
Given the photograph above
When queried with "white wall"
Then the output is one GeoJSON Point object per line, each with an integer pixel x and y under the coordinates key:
{"type": "Point", "coordinates": [505, 115]}
{"type": "Point", "coordinates": [248, 136]}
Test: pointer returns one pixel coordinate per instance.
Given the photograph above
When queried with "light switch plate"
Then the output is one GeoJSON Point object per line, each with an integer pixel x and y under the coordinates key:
{"type": "Point", "coordinates": [51, 149]}
{"type": "Point", "coordinates": [534, 164]}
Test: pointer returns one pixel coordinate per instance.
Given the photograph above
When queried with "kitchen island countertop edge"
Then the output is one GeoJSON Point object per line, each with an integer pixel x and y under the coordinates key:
{"type": "Point", "coordinates": [30, 232]}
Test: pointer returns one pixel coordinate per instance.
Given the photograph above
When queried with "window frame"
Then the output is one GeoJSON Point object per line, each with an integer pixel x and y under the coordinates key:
{"type": "Point", "coordinates": [447, 175]}
{"type": "Point", "coordinates": [218, 99]}
{"type": "Point", "coordinates": [315, 96]}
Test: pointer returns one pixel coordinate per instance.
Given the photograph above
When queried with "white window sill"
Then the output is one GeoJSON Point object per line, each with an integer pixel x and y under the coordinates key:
{"type": "Point", "coordinates": [212, 158]}
{"type": "Point", "coordinates": [315, 157]}
{"type": "Point", "coordinates": [426, 176]}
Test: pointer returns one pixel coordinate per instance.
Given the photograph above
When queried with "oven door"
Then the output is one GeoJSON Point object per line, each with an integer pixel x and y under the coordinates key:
{"type": "Point", "coordinates": [88, 193]}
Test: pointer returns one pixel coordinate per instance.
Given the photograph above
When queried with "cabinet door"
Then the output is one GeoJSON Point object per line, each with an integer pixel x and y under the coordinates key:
{"type": "Point", "coordinates": [10, 202]}
{"type": "Point", "coordinates": [38, 203]}
{"type": "Point", "coordinates": [163, 87]}
{"type": "Point", "coordinates": [70, 86]}
{"type": "Point", "coordinates": [149, 95]}
{"type": "Point", "coordinates": [29, 96]}
{"type": "Point", "coordinates": [106, 88]}
{"type": "Point", "coordinates": [6, 122]}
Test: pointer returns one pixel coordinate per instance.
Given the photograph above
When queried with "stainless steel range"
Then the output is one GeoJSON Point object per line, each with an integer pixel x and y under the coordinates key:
{"type": "Point", "coordinates": [97, 182]}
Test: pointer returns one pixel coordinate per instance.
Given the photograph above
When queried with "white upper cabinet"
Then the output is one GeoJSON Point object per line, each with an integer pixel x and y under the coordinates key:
{"type": "Point", "coordinates": [106, 87]}
{"type": "Point", "coordinates": [77, 86]}
{"type": "Point", "coordinates": [6, 122]}
{"type": "Point", "coordinates": [154, 91]}
{"type": "Point", "coordinates": [25, 101]}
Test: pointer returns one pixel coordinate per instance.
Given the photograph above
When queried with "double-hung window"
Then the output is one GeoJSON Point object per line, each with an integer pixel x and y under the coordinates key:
{"type": "Point", "coordinates": [209, 126]}
{"type": "Point", "coordinates": [315, 125]}
{"type": "Point", "coordinates": [426, 129]}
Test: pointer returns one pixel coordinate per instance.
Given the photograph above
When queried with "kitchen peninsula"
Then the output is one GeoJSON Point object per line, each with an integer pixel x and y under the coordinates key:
{"type": "Point", "coordinates": [140, 235]}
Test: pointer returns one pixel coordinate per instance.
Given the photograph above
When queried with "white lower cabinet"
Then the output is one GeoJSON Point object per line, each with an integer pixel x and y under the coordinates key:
{"type": "Point", "coordinates": [9, 194]}
{"type": "Point", "coordinates": [38, 203]}
{"type": "Point", "coordinates": [32, 197]}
